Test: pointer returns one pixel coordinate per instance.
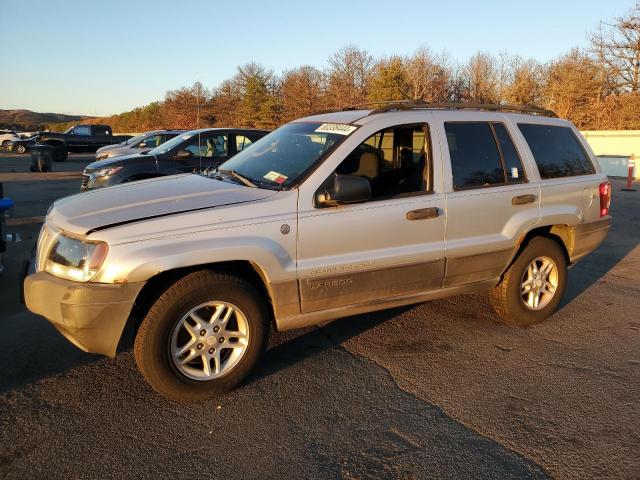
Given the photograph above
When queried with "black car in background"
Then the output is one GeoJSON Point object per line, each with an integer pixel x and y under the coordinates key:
{"type": "Point", "coordinates": [79, 138]}
{"type": "Point", "coordinates": [22, 145]}
{"type": "Point", "coordinates": [190, 152]}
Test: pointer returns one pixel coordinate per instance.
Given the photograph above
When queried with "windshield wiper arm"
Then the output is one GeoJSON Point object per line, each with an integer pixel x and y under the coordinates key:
{"type": "Point", "coordinates": [236, 175]}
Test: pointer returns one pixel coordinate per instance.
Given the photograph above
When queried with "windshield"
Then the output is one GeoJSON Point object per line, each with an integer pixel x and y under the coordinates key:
{"type": "Point", "coordinates": [135, 139]}
{"type": "Point", "coordinates": [175, 141]}
{"type": "Point", "coordinates": [286, 154]}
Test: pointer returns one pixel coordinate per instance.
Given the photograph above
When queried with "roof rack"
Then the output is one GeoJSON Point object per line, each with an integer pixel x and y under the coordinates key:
{"type": "Point", "coordinates": [402, 105]}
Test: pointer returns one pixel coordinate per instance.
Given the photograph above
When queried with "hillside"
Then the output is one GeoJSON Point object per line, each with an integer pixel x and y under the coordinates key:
{"type": "Point", "coordinates": [28, 120]}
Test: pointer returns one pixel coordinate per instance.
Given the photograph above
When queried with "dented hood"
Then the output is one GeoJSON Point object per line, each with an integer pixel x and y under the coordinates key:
{"type": "Point", "coordinates": [156, 197]}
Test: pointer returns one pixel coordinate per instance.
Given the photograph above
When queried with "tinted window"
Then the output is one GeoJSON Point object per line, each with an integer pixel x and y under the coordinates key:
{"type": "Point", "coordinates": [395, 161]}
{"type": "Point", "coordinates": [512, 162]}
{"type": "Point", "coordinates": [242, 142]}
{"type": "Point", "coordinates": [98, 130]}
{"type": "Point", "coordinates": [556, 150]}
{"type": "Point", "coordinates": [206, 146]}
{"type": "Point", "coordinates": [82, 130]}
{"type": "Point", "coordinates": [153, 141]}
{"type": "Point", "coordinates": [475, 159]}
{"type": "Point", "coordinates": [216, 146]}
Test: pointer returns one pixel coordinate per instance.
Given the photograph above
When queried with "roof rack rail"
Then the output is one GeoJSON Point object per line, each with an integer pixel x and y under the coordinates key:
{"type": "Point", "coordinates": [401, 105]}
{"type": "Point", "coordinates": [494, 107]}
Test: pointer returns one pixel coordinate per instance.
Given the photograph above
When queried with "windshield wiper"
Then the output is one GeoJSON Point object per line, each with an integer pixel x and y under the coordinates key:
{"type": "Point", "coordinates": [237, 176]}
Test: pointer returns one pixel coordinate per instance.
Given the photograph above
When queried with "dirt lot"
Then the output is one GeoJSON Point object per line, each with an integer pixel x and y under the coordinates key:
{"type": "Point", "coordinates": [434, 390]}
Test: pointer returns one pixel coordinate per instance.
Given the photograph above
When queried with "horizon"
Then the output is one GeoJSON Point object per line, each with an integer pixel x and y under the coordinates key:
{"type": "Point", "coordinates": [111, 75]}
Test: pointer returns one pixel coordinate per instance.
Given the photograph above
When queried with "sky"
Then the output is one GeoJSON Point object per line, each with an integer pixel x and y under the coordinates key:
{"type": "Point", "coordinates": [104, 57]}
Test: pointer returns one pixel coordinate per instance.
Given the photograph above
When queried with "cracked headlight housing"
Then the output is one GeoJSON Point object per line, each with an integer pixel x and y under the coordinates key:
{"type": "Point", "coordinates": [74, 259]}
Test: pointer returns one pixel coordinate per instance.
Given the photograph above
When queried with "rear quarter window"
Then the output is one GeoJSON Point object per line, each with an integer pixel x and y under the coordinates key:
{"type": "Point", "coordinates": [556, 150]}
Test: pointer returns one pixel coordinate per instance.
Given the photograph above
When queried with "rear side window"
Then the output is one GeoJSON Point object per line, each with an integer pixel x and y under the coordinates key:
{"type": "Point", "coordinates": [82, 130]}
{"type": "Point", "coordinates": [556, 150]}
{"type": "Point", "coordinates": [98, 130]}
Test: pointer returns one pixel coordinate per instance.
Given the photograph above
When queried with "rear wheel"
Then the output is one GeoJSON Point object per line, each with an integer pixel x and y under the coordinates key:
{"type": "Point", "coordinates": [532, 287]}
{"type": "Point", "coordinates": [5, 143]}
{"type": "Point", "coordinates": [20, 149]}
{"type": "Point", "coordinates": [202, 337]}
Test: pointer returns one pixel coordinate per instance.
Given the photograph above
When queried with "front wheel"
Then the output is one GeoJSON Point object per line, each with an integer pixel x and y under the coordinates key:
{"type": "Point", "coordinates": [202, 337]}
{"type": "Point", "coordinates": [20, 149]}
{"type": "Point", "coordinates": [532, 287]}
{"type": "Point", "coordinates": [5, 143]}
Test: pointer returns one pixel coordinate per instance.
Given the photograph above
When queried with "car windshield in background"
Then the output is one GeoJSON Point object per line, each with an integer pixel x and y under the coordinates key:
{"type": "Point", "coordinates": [135, 139]}
{"type": "Point", "coordinates": [281, 158]}
{"type": "Point", "coordinates": [175, 141]}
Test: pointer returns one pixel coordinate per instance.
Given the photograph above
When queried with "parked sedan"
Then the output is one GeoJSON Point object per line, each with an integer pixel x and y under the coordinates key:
{"type": "Point", "coordinates": [139, 144]}
{"type": "Point", "coordinates": [22, 144]}
{"type": "Point", "coordinates": [190, 152]}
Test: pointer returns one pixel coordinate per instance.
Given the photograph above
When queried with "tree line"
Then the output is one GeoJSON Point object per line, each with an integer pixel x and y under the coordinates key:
{"type": "Point", "coordinates": [597, 87]}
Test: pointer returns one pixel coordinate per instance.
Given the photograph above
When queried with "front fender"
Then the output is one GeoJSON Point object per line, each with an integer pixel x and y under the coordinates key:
{"type": "Point", "coordinates": [139, 262]}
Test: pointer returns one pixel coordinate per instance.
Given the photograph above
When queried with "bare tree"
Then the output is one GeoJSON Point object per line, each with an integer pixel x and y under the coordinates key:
{"type": "Point", "coordinates": [348, 74]}
{"type": "Point", "coordinates": [428, 75]}
{"type": "Point", "coordinates": [302, 92]}
{"type": "Point", "coordinates": [617, 46]}
{"type": "Point", "coordinates": [571, 87]}
{"type": "Point", "coordinates": [525, 83]}
{"type": "Point", "coordinates": [481, 77]}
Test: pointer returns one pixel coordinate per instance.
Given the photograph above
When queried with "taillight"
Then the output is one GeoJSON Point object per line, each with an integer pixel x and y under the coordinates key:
{"type": "Point", "coordinates": [605, 198]}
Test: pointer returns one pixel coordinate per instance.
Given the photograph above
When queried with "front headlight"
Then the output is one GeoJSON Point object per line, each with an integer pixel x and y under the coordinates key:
{"type": "Point", "coordinates": [74, 259]}
{"type": "Point", "coordinates": [105, 172]}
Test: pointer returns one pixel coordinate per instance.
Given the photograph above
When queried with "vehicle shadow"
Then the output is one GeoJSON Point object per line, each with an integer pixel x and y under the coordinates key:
{"type": "Point", "coordinates": [289, 348]}
{"type": "Point", "coordinates": [31, 349]}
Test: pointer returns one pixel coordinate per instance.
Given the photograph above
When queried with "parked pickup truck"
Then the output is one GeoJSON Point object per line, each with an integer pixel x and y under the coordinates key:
{"type": "Point", "coordinates": [330, 216]}
{"type": "Point", "coordinates": [79, 138]}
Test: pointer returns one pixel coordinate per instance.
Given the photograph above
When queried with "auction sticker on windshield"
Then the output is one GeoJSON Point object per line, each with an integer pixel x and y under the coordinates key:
{"type": "Point", "coordinates": [276, 177]}
{"type": "Point", "coordinates": [339, 128]}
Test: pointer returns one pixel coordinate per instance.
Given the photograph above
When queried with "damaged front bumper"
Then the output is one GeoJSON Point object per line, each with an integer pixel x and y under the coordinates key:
{"type": "Point", "coordinates": [90, 315]}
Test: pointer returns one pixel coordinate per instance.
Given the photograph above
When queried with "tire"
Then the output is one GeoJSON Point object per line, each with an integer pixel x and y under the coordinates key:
{"type": "Point", "coordinates": [156, 343]}
{"type": "Point", "coordinates": [514, 298]}
{"type": "Point", "coordinates": [20, 149]}
{"type": "Point", "coordinates": [5, 143]}
{"type": "Point", "coordinates": [60, 153]}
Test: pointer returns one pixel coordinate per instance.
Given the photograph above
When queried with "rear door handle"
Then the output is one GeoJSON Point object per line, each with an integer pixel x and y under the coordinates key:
{"type": "Point", "coordinates": [423, 213]}
{"type": "Point", "coordinates": [523, 199]}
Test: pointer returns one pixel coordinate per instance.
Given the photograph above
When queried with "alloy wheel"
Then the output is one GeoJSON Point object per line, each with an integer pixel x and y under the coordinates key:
{"type": "Point", "coordinates": [539, 283]}
{"type": "Point", "coordinates": [209, 340]}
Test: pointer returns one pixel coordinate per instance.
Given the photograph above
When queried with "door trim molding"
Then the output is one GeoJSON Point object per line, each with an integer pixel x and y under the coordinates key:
{"type": "Point", "coordinates": [314, 318]}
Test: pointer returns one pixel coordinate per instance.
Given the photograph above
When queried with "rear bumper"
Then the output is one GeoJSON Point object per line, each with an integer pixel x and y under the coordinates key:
{"type": "Point", "coordinates": [587, 237]}
{"type": "Point", "coordinates": [92, 316]}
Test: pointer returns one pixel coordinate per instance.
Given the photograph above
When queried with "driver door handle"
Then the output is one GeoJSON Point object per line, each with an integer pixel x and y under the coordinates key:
{"type": "Point", "coordinates": [523, 199]}
{"type": "Point", "coordinates": [423, 213]}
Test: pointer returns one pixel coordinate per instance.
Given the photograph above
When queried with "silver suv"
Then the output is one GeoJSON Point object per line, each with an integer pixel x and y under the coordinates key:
{"type": "Point", "coordinates": [331, 215]}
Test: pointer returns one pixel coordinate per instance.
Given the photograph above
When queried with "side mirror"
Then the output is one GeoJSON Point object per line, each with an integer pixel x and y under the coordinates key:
{"type": "Point", "coordinates": [346, 189]}
{"type": "Point", "coordinates": [142, 145]}
{"type": "Point", "coordinates": [183, 154]}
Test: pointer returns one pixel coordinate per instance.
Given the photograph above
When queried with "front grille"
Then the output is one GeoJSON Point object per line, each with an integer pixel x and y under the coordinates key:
{"type": "Point", "coordinates": [85, 181]}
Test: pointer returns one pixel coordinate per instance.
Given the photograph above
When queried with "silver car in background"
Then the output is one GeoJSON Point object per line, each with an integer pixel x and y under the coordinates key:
{"type": "Point", "coordinates": [139, 144]}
